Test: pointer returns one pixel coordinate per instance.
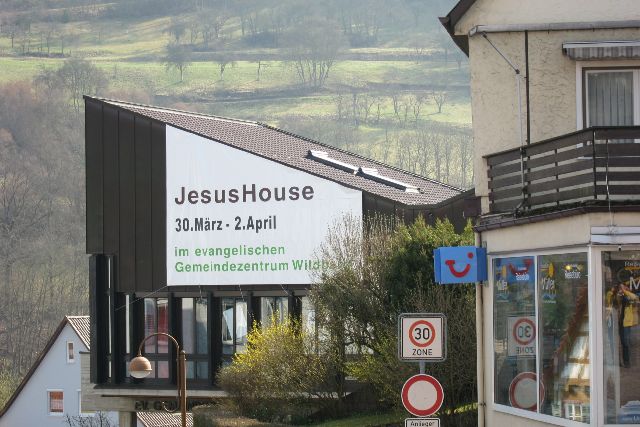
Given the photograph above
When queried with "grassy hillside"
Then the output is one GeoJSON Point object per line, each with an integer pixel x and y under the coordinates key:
{"type": "Point", "coordinates": [373, 94]}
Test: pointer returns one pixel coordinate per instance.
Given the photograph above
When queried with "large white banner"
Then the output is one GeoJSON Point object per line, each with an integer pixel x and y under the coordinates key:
{"type": "Point", "coordinates": [236, 218]}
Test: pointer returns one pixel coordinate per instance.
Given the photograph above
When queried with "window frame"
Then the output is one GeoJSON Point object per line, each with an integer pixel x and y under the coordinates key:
{"type": "Point", "coordinates": [195, 357]}
{"type": "Point", "coordinates": [489, 338]}
{"type": "Point", "coordinates": [48, 402]}
{"type": "Point", "coordinates": [583, 67]}
{"type": "Point", "coordinates": [72, 359]}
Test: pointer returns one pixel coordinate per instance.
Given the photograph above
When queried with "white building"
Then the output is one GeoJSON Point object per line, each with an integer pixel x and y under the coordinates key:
{"type": "Point", "coordinates": [51, 389]}
{"type": "Point", "coordinates": [555, 88]}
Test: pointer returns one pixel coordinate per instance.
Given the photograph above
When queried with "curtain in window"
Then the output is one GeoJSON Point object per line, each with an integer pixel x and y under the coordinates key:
{"type": "Point", "coordinates": [610, 98]}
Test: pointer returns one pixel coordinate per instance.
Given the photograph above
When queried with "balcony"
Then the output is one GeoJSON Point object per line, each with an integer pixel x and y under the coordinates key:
{"type": "Point", "coordinates": [597, 165]}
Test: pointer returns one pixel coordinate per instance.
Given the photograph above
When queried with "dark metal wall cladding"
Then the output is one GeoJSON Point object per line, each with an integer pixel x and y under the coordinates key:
{"type": "Point", "coordinates": [125, 159]}
{"type": "Point", "coordinates": [126, 197]}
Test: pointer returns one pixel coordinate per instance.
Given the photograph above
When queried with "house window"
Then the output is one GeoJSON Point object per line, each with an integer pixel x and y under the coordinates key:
{"type": "Point", "coordinates": [195, 340]}
{"type": "Point", "coordinates": [234, 327]}
{"type": "Point", "coordinates": [612, 97]}
{"type": "Point", "coordinates": [55, 402]}
{"type": "Point", "coordinates": [156, 319]}
{"type": "Point", "coordinates": [541, 334]}
{"type": "Point", "coordinates": [273, 309]}
{"type": "Point", "coordinates": [71, 357]}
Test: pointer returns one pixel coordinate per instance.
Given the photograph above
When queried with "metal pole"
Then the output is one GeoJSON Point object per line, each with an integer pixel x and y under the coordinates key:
{"type": "Point", "coordinates": [182, 368]}
{"type": "Point", "coordinates": [422, 364]}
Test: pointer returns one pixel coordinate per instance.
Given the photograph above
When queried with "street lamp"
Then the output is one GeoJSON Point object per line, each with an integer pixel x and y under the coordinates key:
{"type": "Point", "coordinates": [140, 367]}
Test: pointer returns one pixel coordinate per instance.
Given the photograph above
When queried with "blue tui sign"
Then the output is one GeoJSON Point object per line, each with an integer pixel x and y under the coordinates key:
{"type": "Point", "coordinates": [460, 264]}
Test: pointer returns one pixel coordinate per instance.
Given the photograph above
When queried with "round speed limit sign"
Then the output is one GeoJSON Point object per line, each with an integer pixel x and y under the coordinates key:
{"type": "Point", "coordinates": [422, 333]}
{"type": "Point", "coordinates": [422, 336]}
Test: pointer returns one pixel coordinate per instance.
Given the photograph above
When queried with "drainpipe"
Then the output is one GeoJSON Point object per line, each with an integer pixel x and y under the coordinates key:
{"type": "Point", "coordinates": [480, 345]}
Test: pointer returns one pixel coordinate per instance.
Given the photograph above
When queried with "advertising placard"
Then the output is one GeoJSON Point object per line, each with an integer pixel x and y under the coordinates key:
{"type": "Point", "coordinates": [237, 218]}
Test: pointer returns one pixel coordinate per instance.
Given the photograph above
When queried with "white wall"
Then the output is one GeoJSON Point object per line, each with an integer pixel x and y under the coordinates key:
{"type": "Point", "coordinates": [30, 409]}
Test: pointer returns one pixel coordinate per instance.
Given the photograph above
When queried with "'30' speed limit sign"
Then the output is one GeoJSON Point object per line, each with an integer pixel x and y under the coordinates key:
{"type": "Point", "coordinates": [422, 336]}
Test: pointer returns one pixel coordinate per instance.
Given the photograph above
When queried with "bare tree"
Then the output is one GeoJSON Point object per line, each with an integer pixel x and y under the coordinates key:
{"type": "Point", "coordinates": [313, 48]}
{"type": "Point", "coordinates": [80, 77]}
{"type": "Point", "coordinates": [440, 97]}
{"type": "Point", "coordinates": [176, 29]}
{"type": "Point", "coordinates": [178, 57]}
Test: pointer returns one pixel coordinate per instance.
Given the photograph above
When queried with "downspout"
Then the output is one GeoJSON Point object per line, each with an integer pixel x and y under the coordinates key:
{"type": "Point", "coordinates": [480, 345]}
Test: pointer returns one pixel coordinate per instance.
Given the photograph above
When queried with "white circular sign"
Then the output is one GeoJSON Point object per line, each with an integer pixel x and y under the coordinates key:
{"type": "Point", "coordinates": [522, 391]}
{"type": "Point", "coordinates": [422, 395]}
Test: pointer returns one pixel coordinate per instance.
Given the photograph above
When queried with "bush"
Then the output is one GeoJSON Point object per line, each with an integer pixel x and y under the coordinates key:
{"type": "Point", "coordinates": [279, 377]}
{"type": "Point", "coordinates": [375, 275]}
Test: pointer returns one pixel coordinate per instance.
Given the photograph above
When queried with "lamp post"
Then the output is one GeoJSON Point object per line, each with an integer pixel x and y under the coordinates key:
{"type": "Point", "coordinates": [140, 367]}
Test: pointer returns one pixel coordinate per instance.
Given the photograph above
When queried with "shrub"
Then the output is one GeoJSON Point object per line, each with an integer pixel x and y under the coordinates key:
{"type": "Point", "coordinates": [279, 377]}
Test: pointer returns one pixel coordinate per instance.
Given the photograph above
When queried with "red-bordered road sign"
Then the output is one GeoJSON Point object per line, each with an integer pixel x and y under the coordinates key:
{"type": "Point", "coordinates": [522, 391]}
{"type": "Point", "coordinates": [524, 331]}
{"type": "Point", "coordinates": [422, 336]}
{"type": "Point", "coordinates": [422, 395]}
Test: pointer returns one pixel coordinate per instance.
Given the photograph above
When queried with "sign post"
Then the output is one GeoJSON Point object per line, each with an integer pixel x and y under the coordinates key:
{"type": "Point", "coordinates": [422, 338]}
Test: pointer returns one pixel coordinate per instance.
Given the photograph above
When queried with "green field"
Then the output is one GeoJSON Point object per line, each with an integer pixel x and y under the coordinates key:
{"type": "Point", "coordinates": [130, 53]}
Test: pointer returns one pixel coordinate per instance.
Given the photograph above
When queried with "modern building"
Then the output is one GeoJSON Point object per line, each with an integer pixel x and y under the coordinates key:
{"type": "Point", "coordinates": [555, 90]}
{"type": "Point", "coordinates": [50, 391]}
{"type": "Point", "coordinates": [199, 225]}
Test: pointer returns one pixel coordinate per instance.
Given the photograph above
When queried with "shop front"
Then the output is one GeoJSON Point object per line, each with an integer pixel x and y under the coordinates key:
{"type": "Point", "coordinates": [562, 329]}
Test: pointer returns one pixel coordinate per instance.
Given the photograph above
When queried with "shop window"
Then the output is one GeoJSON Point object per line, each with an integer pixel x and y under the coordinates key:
{"type": "Point", "coordinates": [273, 309]}
{"type": "Point", "coordinates": [195, 340]}
{"type": "Point", "coordinates": [621, 336]}
{"type": "Point", "coordinates": [71, 357]}
{"type": "Point", "coordinates": [234, 327]}
{"type": "Point", "coordinates": [156, 319]}
{"type": "Point", "coordinates": [541, 334]}
{"type": "Point", "coordinates": [514, 330]}
{"type": "Point", "coordinates": [564, 335]}
{"type": "Point", "coordinates": [55, 402]}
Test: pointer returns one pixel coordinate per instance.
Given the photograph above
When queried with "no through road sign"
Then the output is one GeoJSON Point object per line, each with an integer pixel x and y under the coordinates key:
{"type": "Point", "coordinates": [422, 337]}
{"type": "Point", "coordinates": [422, 395]}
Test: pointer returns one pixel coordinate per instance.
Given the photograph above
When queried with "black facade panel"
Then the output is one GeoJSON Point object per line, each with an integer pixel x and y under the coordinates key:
{"type": "Point", "coordinates": [158, 211]}
{"type": "Point", "coordinates": [111, 180]}
{"type": "Point", "coordinates": [94, 176]}
{"type": "Point", "coordinates": [143, 230]}
{"type": "Point", "coordinates": [127, 168]}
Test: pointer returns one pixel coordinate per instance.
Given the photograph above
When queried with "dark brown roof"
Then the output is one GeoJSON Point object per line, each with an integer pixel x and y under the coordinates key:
{"type": "Point", "coordinates": [449, 22]}
{"type": "Point", "coordinates": [292, 150]}
{"type": "Point", "coordinates": [72, 320]}
{"type": "Point", "coordinates": [163, 419]}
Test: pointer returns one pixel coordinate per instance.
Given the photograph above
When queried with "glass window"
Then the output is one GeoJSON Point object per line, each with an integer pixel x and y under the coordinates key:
{"type": "Point", "coordinates": [156, 319]}
{"type": "Point", "coordinates": [514, 332]}
{"type": "Point", "coordinates": [234, 327]}
{"type": "Point", "coordinates": [71, 358]}
{"type": "Point", "coordinates": [621, 336]}
{"type": "Point", "coordinates": [55, 400]}
{"type": "Point", "coordinates": [273, 308]}
{"type": "Point", "coordinates": [564, 335]}
{"type": "Point", "coordinates": [610, 98]}
{"type": "Point", "coordinates": [195, 340]}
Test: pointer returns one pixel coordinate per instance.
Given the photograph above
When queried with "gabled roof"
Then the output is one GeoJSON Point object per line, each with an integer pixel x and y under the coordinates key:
{"type": "Point", "coordinates": [449, 22]}
{"type": "Point", "coordinates": [82, 326]}
{"type": "Point", "coordinates": [163, 419]}
{"type": "Point", "coordinates": [295, 151]}
{"type": "Point", "coordinates": [77, 323]}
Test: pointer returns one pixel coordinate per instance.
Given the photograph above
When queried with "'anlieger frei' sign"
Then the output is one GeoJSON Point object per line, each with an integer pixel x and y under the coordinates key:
{"type": "Point", "coordinates": [236, 218]}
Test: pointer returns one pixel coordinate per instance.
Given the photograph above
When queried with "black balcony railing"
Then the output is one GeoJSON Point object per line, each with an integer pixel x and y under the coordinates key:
{"type": "Point", "coordinates": [597, 164]}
